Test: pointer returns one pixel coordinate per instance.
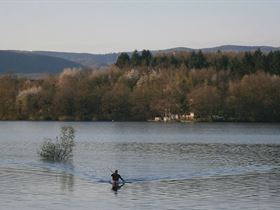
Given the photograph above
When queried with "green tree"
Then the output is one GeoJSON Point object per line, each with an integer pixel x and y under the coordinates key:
{"type": "Point", "coordinates": [9, 85]}
{"type": "Point", "coordinates": [205, 101]}
{"type": "Point", "coordinates": [146, 57]}
{"type": "Point", "coordinates": [197, 60]}
{"type": "Point", "coordinates": [258, 60]}
{"type": "Point", "coordinates": [123, 60]}
{"type": "Point", "coordinates": [272, 62]}
{"type": "Point", "coordinates": [61, 149]}
{"type": "Point", "coordinates": [116, 103]}
{"type": "Point", "coordinates": [256, 98]}
{"type": "Point", "coordinates": [222, 63]}
{"type": "Point", "coordinates": [135, 59]}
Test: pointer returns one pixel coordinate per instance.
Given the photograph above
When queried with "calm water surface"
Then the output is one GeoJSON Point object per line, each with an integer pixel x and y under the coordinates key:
{"type": "Point", "coordinates": [166, 166]}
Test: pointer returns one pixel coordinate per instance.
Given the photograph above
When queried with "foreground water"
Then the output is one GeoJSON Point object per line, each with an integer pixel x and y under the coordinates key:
{"type": "Point", "coordinates": [167, 166]}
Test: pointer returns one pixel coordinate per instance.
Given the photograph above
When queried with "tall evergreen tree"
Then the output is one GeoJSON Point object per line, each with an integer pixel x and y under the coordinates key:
{"type": "Point", "coordinates": [123, 60]}
{"type": "Point", "coordinates": [135, 59]}
{"type": "Point", "coordinates": [146, 57]}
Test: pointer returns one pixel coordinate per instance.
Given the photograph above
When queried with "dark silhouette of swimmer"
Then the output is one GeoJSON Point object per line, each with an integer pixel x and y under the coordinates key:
{"type": "Point", "coordinates": [116, 177]}
{"type": "Point", "coordinates": [116, 184]}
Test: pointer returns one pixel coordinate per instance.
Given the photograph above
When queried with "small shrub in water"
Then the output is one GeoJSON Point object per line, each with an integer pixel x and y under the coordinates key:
{"type": "Point", "coordinates": [61, 149]}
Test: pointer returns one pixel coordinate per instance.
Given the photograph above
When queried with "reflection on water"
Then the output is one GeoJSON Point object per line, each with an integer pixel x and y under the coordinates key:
{"type": "Point", "coordinates": [67, 181]}
{"type": "Point", "coordinates": [63, 171]}
{"type": "Point", "coordinates": [12, 178]}
{"type": "Point", "coordinates": [117, 186]}
{"type": "Point", "coordinates": [163, 164]}
{"type": "Point", "coordinates": [160, 161]}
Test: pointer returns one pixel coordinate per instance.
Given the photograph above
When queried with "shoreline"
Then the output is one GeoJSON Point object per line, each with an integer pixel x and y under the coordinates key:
{"type": "Point", "coordinates": [148, 121]}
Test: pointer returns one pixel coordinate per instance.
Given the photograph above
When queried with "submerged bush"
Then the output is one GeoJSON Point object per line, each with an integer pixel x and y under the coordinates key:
{"type": "Point", "coordinates": [60, 149]}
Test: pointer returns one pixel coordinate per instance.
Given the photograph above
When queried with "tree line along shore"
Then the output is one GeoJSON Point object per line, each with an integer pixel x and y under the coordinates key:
{"type": "Point", "coordinates": [221, 86]}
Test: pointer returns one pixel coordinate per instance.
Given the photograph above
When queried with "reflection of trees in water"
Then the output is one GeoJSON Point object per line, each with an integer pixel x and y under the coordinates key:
{"type": "Point", "coordinates": [64, 173]}
{"type": "Point", "coordinates": [67, 181]}
{"type": "Point", "coordinates": [66, 176]}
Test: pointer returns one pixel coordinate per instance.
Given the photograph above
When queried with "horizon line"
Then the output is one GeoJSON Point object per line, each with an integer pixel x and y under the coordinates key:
{"type": "Point", "coordinates": [161, 49]}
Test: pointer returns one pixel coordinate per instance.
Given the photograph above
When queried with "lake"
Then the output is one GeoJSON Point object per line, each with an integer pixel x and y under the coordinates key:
{"type": "Point", "coordinates": [166, 166]}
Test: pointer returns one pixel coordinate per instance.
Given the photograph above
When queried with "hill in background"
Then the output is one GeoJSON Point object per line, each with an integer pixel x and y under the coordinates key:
{"type": "Point", "coordinates": [22, 62]}
{"type": "Point", "coordinates": [86, 59]}
{"type": "Point", "coordinates": [223, 48]}
{"type": "Point", "coordinates": [42, 62]}
{"type": "Point", "coordinates": [103, 60]}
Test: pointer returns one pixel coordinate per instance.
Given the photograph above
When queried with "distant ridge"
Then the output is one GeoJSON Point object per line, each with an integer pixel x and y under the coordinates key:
{"type": "Point", "coordinates": [101, 60]}
{"type": "Point", "coordinates": [86, 59]}
{"type": "Point", "coordinates": [26, 62]}
{"type": "Point", "coordinates": [223, 48]}
{"type": "Point", "coordinates": [22, 62]}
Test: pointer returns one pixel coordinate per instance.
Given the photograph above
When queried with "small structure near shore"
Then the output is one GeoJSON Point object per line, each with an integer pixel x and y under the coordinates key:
{"type": "Point", "coordinates": [189, 116]}
{"type": "Point", "coordinates": [175, 117]}
{"type": "Point", "coordinates": [157, 119]}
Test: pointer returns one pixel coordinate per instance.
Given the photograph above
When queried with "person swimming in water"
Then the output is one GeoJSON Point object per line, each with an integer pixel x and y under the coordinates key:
{"type": "Point", "coordinates": [115, 181]}
{"type": "Point", "coordinates": [116, 177]}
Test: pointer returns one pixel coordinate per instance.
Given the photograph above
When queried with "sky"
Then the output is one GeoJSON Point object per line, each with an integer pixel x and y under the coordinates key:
{"type": "Point", "coordinates": [97, 26]}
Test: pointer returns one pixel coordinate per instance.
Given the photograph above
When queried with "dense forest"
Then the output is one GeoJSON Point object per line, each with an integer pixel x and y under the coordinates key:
{"type": "Point", "coordinates": [141, 86]}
